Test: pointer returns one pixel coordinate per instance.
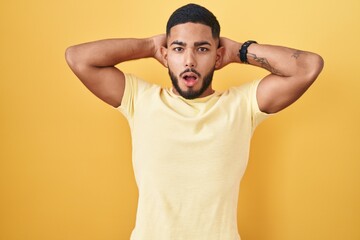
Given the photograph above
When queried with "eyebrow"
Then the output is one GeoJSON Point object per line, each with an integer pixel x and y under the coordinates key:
{"type": "Point", "coordinates": [196, 44]}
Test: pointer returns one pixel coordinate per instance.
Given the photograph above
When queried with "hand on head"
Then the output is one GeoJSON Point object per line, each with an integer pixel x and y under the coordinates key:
{"type": "Point", "coordinates": [159, 42]}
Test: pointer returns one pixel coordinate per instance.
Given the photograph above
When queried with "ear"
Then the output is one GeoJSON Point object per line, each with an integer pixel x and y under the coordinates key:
{"type": "Point", "coordinates": [219, 57]}
{"type": "Point", "coordinates": [164, 54]}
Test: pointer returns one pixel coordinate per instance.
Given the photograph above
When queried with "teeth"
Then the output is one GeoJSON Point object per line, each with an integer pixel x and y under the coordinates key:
{"type": "Point", "coordinates": [187, 77]}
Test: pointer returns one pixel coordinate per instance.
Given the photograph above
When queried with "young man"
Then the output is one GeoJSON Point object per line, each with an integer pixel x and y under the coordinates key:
{"type": "Point", "coordinates": [190, 142]}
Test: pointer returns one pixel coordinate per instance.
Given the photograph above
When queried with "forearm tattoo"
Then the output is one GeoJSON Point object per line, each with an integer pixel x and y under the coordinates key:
{"type": "Point", "coordinates": [296, 54]}
{"type": "Point", "coordinates": [264, 63]}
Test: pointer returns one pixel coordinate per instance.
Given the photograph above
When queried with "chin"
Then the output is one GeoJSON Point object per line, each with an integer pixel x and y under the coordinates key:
{"type": "Point", "coordinates": [191, 93]}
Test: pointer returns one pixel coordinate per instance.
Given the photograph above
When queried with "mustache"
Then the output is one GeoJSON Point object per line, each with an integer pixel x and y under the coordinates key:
{"type": "Point", "coordinates": [190, 70]}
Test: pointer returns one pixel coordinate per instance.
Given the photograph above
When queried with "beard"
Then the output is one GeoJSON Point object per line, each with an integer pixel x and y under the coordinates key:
{"type": "Point", "coordinates": [191, 93]}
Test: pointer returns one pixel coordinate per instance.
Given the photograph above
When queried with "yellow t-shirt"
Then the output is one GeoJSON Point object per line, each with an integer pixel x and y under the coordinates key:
{"type": "Point", "coordinates": [189, 157]}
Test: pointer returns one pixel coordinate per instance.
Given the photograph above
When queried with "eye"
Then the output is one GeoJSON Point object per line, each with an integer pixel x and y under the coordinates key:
{"type": "Point", "coordinates": [203, 49]}
{"type": "Point", "coordinates": [178, 49]}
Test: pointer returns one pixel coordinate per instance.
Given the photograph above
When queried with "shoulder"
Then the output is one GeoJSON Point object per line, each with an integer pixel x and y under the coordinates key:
{"type": "Point", "coordinates": [137, 85]}
{"type": "Point", "coordinates": [244, 91]}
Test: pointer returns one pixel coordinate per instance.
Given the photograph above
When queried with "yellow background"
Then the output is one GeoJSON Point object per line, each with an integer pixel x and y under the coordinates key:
{"type": "Point", "coordinates": [65, 156]}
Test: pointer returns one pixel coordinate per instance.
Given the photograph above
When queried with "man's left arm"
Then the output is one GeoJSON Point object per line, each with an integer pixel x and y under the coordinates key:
{"type": "Point", "coordinates": [291, 72]}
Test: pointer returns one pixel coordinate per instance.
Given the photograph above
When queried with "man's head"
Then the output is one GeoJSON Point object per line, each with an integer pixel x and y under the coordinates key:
{"type": "Point", "coordinates": [192, 53]}
{"type": "Point", "coordinates": [196, 14]}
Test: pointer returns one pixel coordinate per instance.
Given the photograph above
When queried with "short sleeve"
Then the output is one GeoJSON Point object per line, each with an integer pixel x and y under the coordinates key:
{"type": "Point", "coordinates": [134, 87]}
{"type": "Point", "coordinates": [257, 115]}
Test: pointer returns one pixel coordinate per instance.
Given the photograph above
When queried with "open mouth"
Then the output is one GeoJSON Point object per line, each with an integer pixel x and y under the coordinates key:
{"type": "Point", "coordinates": [190, 79]}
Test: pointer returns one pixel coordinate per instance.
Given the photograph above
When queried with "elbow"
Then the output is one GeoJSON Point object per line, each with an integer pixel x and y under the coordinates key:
{"type": "Point", "coordinates": [318, 64]}
{"type": "Point", "coordinates": [70, 56]}
{"type": "Point", "coordinates": [315, 64]}
{"type": "Point", "coordinates": [75, 60]}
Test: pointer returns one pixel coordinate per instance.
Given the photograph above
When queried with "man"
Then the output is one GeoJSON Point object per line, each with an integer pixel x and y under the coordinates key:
{"type": "Point", "coordinates": [190, 142]}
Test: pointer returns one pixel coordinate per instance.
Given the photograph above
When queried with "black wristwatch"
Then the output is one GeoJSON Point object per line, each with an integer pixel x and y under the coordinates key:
{"type": "Point", "coordinates": [243, 51]}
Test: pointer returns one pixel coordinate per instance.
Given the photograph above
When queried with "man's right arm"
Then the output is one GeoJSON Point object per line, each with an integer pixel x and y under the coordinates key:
{"type": "Point", "coordinates": [94, 63]}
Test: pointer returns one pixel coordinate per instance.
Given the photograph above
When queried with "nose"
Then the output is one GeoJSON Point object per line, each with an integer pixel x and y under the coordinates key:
{"type": "Point", "coordinates": [190, 61]}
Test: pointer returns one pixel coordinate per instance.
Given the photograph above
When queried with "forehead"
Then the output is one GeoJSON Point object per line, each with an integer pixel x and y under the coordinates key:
{"type": "Point", "coordinates": [190, 32]}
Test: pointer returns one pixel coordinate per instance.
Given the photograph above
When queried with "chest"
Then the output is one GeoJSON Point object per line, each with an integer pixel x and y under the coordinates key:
{"type": "Point", "coordinates": [169, 147]}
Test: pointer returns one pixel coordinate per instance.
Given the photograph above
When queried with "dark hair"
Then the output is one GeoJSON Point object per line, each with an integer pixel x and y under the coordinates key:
{"type": "Point", "coordinates": [196, 14]}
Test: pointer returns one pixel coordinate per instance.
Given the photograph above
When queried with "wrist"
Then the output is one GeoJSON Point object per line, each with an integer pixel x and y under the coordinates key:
{"type": "Point", "coordinates": [235, 51]}
{"type": "Point", "coordinates": [243, 51]}
{"type": "Point", "coordinates": [232, 52]}
{"type": "Point", "coordinates": [157, 42]}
